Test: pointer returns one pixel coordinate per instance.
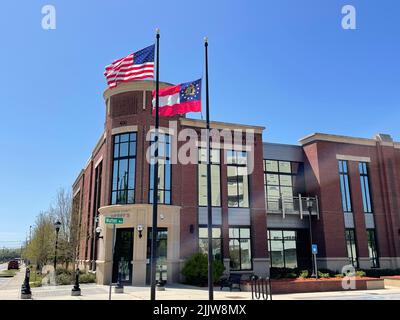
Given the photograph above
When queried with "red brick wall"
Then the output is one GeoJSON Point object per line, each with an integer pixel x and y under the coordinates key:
{"type": "Point", "coordinates": [322, 177]}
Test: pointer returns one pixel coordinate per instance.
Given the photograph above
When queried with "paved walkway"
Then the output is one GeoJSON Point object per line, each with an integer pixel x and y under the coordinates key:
{"type": "Point", "coordinates": [14, 282]}
{"type": "Point", "coordinates": [11, 291]}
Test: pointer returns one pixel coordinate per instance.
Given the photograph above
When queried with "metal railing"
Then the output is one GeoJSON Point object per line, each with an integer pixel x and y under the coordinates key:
{"type": "Point", "coordinates": [292, 206]}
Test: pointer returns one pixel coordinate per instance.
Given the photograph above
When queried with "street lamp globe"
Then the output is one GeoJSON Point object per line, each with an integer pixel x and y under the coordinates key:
{"type": "Point", "coordinates": [309, 203]}
{"type": "Point", "coordinates": [57, 225]}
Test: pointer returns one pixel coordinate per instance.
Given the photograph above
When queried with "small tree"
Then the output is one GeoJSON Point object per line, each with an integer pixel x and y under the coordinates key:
{"type": "Point", "coordinates": [195, 269]}
{"type": "Point", "coordinates": [40, 249]}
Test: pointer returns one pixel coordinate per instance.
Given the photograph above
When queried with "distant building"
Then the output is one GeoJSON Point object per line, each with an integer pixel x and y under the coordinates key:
{"type": "Point", "coordinates": [260, 220]}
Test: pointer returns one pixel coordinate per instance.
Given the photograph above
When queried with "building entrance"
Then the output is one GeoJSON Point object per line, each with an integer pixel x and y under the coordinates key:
{"type": "Point", "coordinates": [161, 254]}
{"type": "Point", "coordinates": [123, 255]}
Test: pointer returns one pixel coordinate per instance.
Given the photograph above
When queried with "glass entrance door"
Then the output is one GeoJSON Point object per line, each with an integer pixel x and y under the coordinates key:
{"type": "Point", "coordinates": [123, 255]}
{"type": "Point", "coordinates": [161, 254]}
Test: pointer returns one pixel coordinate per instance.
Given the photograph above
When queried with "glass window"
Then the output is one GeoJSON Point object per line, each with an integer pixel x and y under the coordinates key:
{"type": "Point", "coordinates": [124, 167]}
{"type": "Point", "coordinates": [216, 241]}
{"type": "Point", "coordinates": [278, 181]}
{"type": "Point", "coordinates": [284, 167]}
{"type": "Point", "coordinates": [282, 248]}
{"type": "Point", "coordinates": [215, 178]}
{"type": "Point", "coordinates": [351, 247]}
{"type": "Point", "coordinates": [164, 169]}
{"type": "Point", "coordinates": [344, 186]}
{"type": "Point", "coordinates": [372, 248]}
{"type": "Point", "coordinates": [365, 189]}
{"type": "Point", "coordinates": [238, 188]}
{"type": "Point", "coordinates": [271, 166]}
{"type": "Point", "coordinates": [240, 248]}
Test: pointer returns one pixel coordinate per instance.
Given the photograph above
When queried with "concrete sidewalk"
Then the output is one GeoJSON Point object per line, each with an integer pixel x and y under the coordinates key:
{"type": "Point", "coordinates": [183, 292]}
{"type": "Point", "coordinates": [14, 282]}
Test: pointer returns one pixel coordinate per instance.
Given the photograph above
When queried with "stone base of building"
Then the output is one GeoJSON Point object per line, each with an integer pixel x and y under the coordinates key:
{"type": "Point", "coordinates": [334, 264]}
{"type": "Point", "coordinates": [389, 262]}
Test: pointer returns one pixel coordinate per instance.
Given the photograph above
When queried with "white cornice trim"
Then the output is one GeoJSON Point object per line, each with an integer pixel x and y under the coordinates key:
{"type": "Point", "coordinates": [139, 85]}
{"type": "Point", "coordinates": [352, 158]}
{"type": "Point", "coordinates": [219, 125]}
{"type": "Point", "coordinates": [336, 138]}
{"type": "Point", "coordinates": [124, 129]}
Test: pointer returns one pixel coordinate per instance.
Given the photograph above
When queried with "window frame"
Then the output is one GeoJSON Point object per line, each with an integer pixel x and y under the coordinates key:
{"type": "Point", "coordinates": [281, 240]}
{"type": "Point", "coordinates": [212, 164]}
{"type": "Point", "coordinates": [166, 162]}
{"type": "Point", "coordinates": [344, 181]}
{"type": "Point", "coordinates": [128, 157]}
{"type": "Point", "coordinates": [353, 241]}
{"type": "Point", "coordinates": [375, 249]}
{"type": "Point", "coordinates": [365, 185]}
{"type": "Point", "coordinates": [221, 238]}
{"type": "Point", "coordinates": [279, 174]}
{"type": "Point", "coordinates": [240, 249]}
{"type": "Point", "coordinates": [236, 165]}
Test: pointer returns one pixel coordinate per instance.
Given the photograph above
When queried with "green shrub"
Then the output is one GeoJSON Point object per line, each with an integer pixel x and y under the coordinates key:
{"type": "Point", "coordinates": [195, 269]}
{"type": "Point", "coordinates": [61, 270]}
{"type": "Point", "coordinates": [303, 274]}
{"type": "Point", "coordinates": [290, 275]}
{"type": "Point", "coordinates": [87, 278]}
{"type": "Point", "coordinates": [339, 275]}
{"type": "Point", "coordinates": [35, 284]}
{"type": "Point", "coordinates": [278, 273]}
{"type": "Point", "coordinates": [376, 273]}
{"type": "Point", "coordinates": [63, 279]}
{"type": "Point", "coordinates": [323, 274]}
{"type": "Point", "coordinates": [331, 273]}
{"type": "Point", "coordinates": [360, 273]}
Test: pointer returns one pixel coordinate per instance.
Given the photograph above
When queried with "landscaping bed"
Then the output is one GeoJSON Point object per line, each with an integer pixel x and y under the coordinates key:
{"type": "Point", "coordinates": [299, 285]}
{"type": "Point", "coordinates": [8, 273]}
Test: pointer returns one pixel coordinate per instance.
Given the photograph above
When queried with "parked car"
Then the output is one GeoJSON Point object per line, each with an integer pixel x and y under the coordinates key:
{"type": "Point", "coordinates": [13, 264]}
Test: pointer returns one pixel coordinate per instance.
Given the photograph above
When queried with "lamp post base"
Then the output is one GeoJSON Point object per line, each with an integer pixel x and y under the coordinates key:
{"type": "Point", "coordinates": [119, 289]}
{"type": "Point", "coordinates": [26, 295]}
{"type": "Point", "coordinates": [75, 293]}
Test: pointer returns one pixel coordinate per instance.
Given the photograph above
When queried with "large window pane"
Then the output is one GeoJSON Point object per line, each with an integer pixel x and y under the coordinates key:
{"type": "Point", "coordinates": [344, 186]}
{"type": "Point", "coordinates": [240, 248]}
{"type": "Point", "coordinates": [238, 189]}
{"type": "Point", "coordinates": [164, 169]}
{"type": "Point", "coordinates": [215, 178]}
{"type": "Point", "coordinates": [282, 245]}
{"type": "Point", "coordinates": [216, 241]}
{"type": "Point", "coordinates": [284, 167]}
{"type": "Point", "coordinates": [271, 165]}
{"type": "Point", "coordinates": [124, 166]}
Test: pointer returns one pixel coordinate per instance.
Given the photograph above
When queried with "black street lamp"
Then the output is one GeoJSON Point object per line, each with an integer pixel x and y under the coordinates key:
{"type": "Point", "coordinates": [309, 207]}
{"type": "Point", "coordinates": [57, 226]}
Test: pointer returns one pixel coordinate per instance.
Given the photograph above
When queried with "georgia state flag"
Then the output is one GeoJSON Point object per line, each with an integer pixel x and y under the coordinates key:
{"type": "Point", "coordinates": [179, 99]}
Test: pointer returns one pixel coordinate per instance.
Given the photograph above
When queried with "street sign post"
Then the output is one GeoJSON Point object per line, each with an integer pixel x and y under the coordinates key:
{"type": "Point", "coordinates": [314, 250]}
{"type": "Point", "coordinates": [114, 221]}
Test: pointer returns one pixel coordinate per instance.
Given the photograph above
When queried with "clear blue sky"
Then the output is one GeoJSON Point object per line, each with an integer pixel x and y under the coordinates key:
{"type": "Point", "coordinates": [287, 65]}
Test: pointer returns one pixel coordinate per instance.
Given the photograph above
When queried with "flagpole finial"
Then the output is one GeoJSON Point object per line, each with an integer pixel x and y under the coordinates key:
{"type": "Point", "coordinates": [157, 31]}
{"type": "Point", "coordinates": [205, 39]}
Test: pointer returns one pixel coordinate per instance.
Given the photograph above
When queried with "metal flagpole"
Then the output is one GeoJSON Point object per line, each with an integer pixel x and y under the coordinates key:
{"type": "Point", "coordinates": [209, 203]}
{"type": "Point", "coordinates": [153, 259]}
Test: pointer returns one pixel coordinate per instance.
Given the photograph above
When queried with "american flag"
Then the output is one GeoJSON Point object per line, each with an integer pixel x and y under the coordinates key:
{"type": "Point", "coordinates": [135, 66]}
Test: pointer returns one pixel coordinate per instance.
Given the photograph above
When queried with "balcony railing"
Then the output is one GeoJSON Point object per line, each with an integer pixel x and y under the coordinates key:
{"type": "Point", "coordinates": [292, 206]}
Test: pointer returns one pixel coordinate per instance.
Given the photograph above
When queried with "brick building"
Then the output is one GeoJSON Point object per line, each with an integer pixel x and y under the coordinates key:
{"type": "Point", "coordinates": [259, 194]}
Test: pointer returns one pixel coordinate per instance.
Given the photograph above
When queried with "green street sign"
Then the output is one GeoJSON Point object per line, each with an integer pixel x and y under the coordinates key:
{"type": "Point", "coordinates": [116, 220]}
